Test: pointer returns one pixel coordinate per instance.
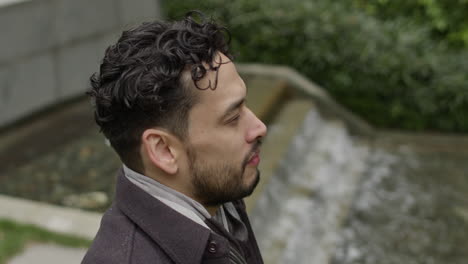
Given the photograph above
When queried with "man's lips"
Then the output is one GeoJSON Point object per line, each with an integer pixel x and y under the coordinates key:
{"type": "Point", "coordinates": [255, 158]}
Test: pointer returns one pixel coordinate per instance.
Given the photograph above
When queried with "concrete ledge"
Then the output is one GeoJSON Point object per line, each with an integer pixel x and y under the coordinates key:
{"type": "Point", "coordinates": [50, 254]}
{"type": "Point", "coordinates": [5, 3]}
{"type": "Point", "coordinates": [265, 96]}
{"type": "Point", "coordinates": [311, 90]}
{"type": "Point", "coordinates": [53, 218]}
{"type": "Point", "coordinates": [277, 142]}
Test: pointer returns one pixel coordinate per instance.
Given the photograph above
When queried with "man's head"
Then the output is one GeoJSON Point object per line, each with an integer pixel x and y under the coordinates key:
{"type": "Point", "coordinates": [141, 85]}
{"type": "Point", "coordinates": [172, 105]}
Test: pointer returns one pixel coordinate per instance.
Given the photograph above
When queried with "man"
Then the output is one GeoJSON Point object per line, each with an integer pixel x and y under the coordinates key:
{"type": "Point", "coordinates": [172, 105]}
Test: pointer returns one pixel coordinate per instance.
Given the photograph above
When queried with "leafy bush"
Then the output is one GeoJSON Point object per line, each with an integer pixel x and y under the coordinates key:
{"type": "Point", "coordinates": [447, 19]}
{"type": "Point", "coordinates": [390, 72]}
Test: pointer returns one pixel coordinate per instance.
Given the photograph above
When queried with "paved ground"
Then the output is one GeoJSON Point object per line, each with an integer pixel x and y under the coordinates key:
{"type": "Point", "coordinates": [49, 254]}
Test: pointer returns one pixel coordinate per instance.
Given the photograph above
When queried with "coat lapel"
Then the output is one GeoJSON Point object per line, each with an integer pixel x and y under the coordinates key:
{"type": "Point", "coordinates": [183, 240]}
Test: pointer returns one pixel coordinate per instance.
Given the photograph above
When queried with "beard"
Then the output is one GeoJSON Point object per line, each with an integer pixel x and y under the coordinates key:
{"type": "Point", "coordinates": [219, 182]}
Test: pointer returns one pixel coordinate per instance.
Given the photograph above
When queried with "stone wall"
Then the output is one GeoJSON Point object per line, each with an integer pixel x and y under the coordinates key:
{"type": "Point", "coordinates": [49, 48]}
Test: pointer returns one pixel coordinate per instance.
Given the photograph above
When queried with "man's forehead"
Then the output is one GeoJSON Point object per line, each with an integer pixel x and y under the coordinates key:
{"type": "Point", "coordinates": [230, 89]}
{"type": "Point", "coordinates": [220, 74]}
{"type": "Point", "coordinates": [209, 80]}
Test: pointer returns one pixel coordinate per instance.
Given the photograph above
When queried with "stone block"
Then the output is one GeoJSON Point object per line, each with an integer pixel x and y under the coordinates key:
{"type": "Point", "coordinates": [75, 65]}
{"type": "Point", "coordinates": [50, 217]}
{"type": "Point", "coordinates": [27, 86]}
{"type": "Point", "coordinates": [137, 11]}
{"type": "Point", "coordinates": [84, 18]}
{"type": "Point", "coordinates": [27, 27]}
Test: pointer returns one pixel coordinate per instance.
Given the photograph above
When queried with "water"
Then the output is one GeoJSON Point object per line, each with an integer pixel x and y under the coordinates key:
{"type": "Point", "coordinates": [416, 211]}
{"type": "Point", "coordinates": [297, 217]}
{"type": "Point", "coordinates": [338, 199]}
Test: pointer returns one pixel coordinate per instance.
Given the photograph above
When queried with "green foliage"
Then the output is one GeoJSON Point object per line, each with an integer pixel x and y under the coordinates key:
{"type": "Point", "coordinates": [14, 236]}
{"type": "Point", "coordinates": [390, 72]}
{"type": "Point", "coordinates": [446, 19]}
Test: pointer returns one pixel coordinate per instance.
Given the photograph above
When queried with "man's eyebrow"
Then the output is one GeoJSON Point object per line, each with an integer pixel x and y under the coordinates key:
{"type": "Point", "coordinates": [233, 106]}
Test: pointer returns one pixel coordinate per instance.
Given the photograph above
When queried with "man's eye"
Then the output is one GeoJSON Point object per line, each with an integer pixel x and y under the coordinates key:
{"type": "Point", "coordinates": [234, 119]}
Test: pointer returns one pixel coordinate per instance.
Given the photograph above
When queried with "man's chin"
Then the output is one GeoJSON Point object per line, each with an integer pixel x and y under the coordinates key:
{"type": "Point", "coordinates": [253, 184]}
{"type": "Point", "coordinates": [236, 191]}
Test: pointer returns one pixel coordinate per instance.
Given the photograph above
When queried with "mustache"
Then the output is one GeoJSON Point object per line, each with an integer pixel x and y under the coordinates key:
{"type": "Point", "coordinates": [255, 148]}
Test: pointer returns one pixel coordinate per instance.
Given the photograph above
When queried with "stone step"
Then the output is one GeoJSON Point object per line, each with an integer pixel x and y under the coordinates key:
{"type": "Point", "coordinates": [49, 254]}
{"type": "Point", "coordinates": [50, 217]}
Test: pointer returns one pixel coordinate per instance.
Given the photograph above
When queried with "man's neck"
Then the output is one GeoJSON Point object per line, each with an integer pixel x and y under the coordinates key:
{"type": "Point", "coordinates": [212, 209]}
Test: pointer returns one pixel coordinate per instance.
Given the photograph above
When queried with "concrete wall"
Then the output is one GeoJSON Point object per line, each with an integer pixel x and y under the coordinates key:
{"type": "Point", "coordinates": [49, 48]}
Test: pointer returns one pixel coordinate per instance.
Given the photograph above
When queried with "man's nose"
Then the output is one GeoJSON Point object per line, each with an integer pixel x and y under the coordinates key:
{"type": "Point", "coordinates": [258, 129]}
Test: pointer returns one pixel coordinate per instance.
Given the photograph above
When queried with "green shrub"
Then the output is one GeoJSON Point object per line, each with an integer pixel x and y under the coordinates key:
{"type": "Point", "coordinates": [389, 72]}
{"type": "Point", "coordinates": [446, 19]}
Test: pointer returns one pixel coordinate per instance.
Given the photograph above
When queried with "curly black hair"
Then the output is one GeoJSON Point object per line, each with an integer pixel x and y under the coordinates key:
{"type": "Point", "coordinates": [141, 81]}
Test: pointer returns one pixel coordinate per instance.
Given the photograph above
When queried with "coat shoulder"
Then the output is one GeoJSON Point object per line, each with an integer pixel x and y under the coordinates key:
{"type": "Point", "coordinates": [120, 241]}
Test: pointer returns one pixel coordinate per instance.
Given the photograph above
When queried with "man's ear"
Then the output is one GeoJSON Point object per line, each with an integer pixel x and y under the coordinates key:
{"type": "Point", "coordinates": [158, 146]}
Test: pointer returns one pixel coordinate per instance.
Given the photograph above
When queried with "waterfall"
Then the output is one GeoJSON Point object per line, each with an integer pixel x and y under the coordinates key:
{"type": "Point", "coordinates": [297, 218]}
{"type": "Point", "coordinates": [337, 198]}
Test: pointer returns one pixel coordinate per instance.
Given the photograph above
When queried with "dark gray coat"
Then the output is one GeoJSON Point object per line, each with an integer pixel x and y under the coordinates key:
{"type": "Point", "coordinates": [139, 229]}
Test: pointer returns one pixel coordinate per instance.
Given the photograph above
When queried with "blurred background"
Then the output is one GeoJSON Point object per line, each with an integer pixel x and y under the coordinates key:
{"type": "Point", "coordinates": [400, 67]}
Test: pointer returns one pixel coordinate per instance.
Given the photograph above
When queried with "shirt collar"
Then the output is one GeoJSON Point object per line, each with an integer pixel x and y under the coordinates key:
{"type": "Point", "coordinates": [172, 198]}
{"type": "Point", "coordinates": [226, 215]}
